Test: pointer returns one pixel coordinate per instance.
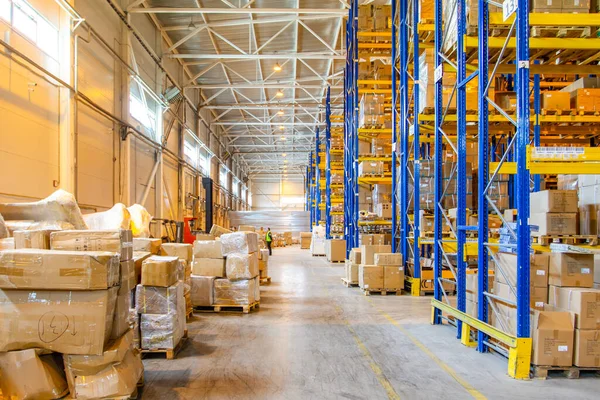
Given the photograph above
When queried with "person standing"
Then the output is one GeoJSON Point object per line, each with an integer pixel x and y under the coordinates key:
{"type": "Point", "coordinates": [268, 240]}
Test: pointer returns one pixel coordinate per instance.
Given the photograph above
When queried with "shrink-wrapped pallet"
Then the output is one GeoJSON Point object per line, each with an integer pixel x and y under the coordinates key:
{"type": "Point", "coordinates": [158, 300]}
{"type": "Point", "coordinates": [241, 266]}
{"type": "Point", "coordinates": [115, 241]}
{"type": "Point", "coordinates": [234, 292]}
{"type": "Point", "coordinates": [239, 242]}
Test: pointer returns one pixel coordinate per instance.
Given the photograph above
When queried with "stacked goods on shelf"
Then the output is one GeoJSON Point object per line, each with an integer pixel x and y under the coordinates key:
{"type": "Point", "coordinates": [426, 273]}
{"type": "Point", "coordinates": [160, 302]}
{"type": "Point", "coordinates": [305, 238]}
{"type": "Point", "coordinates": [371, 111]}
{"type": "Point", "coordinates": [560, 6]}
{"type": "Point", "coordinates": [554, 212]}
{"type": "Point", "coordinates": [71, 302]}
{"type": "Point", "coordinates": [335, 250]}
{"type": "Point", "coordinates": [370, 168]}
{"type": "Point", "coordinates": [365, 199]}
{"type": "Point", "coordinates": [393, 271]}
{"type": "Point", "coordinates": [372, 239]}
{"type": "Point", "coordinates": [472, 289]}
{"type": "Point", "coordinates": [184, 252]}
{"type": "Point", "coordinates": [241, 286]}
{"type": "Point", "coordinates": [317, 243]}
{"type": "Point", "coordinates": [370, 275]}
{"type": "Point", "coordinates": [263, 263]}
{"type": "Point", "coordinates": [352, 265]}
{"type": "Point", "coordinates": [584, 94]}
{"type": "Point", "coordinates": [382, 201]}
{"type": "Point", "coordinates": [588, 190]}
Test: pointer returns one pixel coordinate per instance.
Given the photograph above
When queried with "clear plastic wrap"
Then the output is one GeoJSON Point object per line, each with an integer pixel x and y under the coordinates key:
{"type": "Point", "coordinates": [115, 241]}
{"type": "Point", "coordinates": [7, 243]}
{"type": "Point", "coordinates": [38, 225]}
{"type": "Point", "coordinates": [32, 239]}
{"type": "Point", "coordinates": [181, 250]}
{"type": "Point", "coordinates": [207, 249]}
{"type": "Point", "coordinates": [159, 271]}
{"type": "Point", "coordinates": [32, 374]}
{"type": "Point", "coordinates": [59, 206]}
{"type": "Point", "coordinates": [234, 292]}
{"type": "Point", "coordinates": [138, 259]}
{"type": "Point", "coordinates": [217, 230]}
{"type": "Point", "coordinates": [317, 246]}
{"type": "Point", "coordinates": [121, 319]}
{"type": "Point", "coordinates": [70, 322]}
{"type": "Point", "coordinates": [264, 255]}
{"type": "Point", "coordinates": [256, 289]}
{"type": "Point", "coordinates": [150, 245]}
{"type": "Point", "coordinates": [61, 270]}
{"type": "Point", "coordinates": [158, 300]}
{"type": "Point", "coordinates": [209, 267]}
{"type": "Point", "coordinates": [239, 242]}
{"type": "Point", "coordinates": [162, 331]}
{"type": "Point", "coordinates": [117, 380]}
{"type": "Point", "coordinates": [135, 318]}
{"type": "Point", "coordinates": [116, 218]}
{"type": "Point", "coordinates": [81, 365]}
{"type": "Point", "coordinates": [202, 290]}
{"type": "Point", "coordinates": [140, 221]}
{"type": "Point", "coordinates": [3, 229]}
{"type": "Point", "coordinates": [239, 266]}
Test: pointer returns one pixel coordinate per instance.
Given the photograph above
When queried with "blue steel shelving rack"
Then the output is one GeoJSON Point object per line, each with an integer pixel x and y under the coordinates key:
{"type": "Point", "coordinates": [328, 164]}
{"type": "Point", "coordinates": [317, 178]}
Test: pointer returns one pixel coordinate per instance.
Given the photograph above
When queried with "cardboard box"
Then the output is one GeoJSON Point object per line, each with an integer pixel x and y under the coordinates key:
{"type": "Point", "coordinates": [335, 250]}
{"type": "Point", "coordinates": [367, 253]}
{"type": "Point", "coordinates": [239, 266]}
{"type": "Point", "coordinates": [472, 286]}
{"type": "Point", "coordinates": [554, 223]}
{"type": "Point", "coordinates": [305, 238]}
{"type": "Point", "coordinates": [122, 322]}
{"type": "Point", "coordinates": [370, 168]}
{"type": "Point", "coordinates": [370, 277]}
{"type": "Point", "coordinates": [546, 5]}
{"type": "Point", "coordinates": [202, 290]}
{"type": "Point", "coordinates": [71, 322]}
{"type": "Point", "coordinates": [585, 99]}
{"type": "Point", "coordinates": [507, 262]}
{"type": "Point", "coordinates": [597, 268]}
{"type": "Point", "coordinates": [116, 241]}
{"type": "Point", "coordinates": [538, 296]}
{"type": "Point", "coordinates": [147, 244]}
{"type": "Point", "coordinates": [553, 201]}
{"type": "Point", "coordinates": [587, 348]}
{"type": "Point", "coordinates": [471, 308]}
{"type": "Point", "coordinates": [379, 239]}
{"type": "Point", "coordinates": [393, 277]}
{"type": "Point", "coordinates": [384, 210]}
{"type": "Point", "coordinates": [388, 259]}
{"type": "Point", "coordinates": [204, 236]}
{"type": "Point", "coordinates": [553, 335]}
{"type": "Point", "coordinates": [239, 242]}
{"type": "Point", "coordinates": [207, 249]}
{"type": "Point", "coordinates": [55, 269]}
{"type": "Point", "coordinates": [569, 269]}
{"type": "Point", "coordinates": [183, 251]}
{"type": "Point", "coordinates": [159, 271]}
{"type": "Point", "coordinates": [247, 228]}
{"type": "Point", "coordinates": [351, 272]}
{"type": "Point", "coordinates": [556, 100]}
{"type": "Point", "coordinates": [209, 267]}
{"type": "Point", "coordinates": [33, 239]}
{"type": "Point", "coordinates": [217, 231]}
{"type": "Point", "coordinates": [234, 293]}
{"type": "Point", "coordinates": [162, 331]}
{"type": "Point", "coordinates": [138, 260]}
{"type": "Point", "coordinates": [355, 256]}
{"type": "Point", "coordinates": [30, 374]}
{"type": "Point", "coordinates": [588, 219]}
{"type": "Point", "coordinates": [7, 243]}
{"type": "Point", "coordinates": [158, 300]}
{"type": "Point", "coordinates": [583, 302]}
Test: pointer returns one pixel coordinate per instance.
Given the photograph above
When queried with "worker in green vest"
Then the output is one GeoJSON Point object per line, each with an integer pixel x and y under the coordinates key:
{"type": "Point", "coordinates": [268, 240]}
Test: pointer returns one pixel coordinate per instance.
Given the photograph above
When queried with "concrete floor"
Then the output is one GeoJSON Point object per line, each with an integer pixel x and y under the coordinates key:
{"type": "Point", "coordinates": [313, 338]}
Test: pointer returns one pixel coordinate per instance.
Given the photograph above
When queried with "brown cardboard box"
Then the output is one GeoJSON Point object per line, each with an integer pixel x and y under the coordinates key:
{"type": "Point", "coordinates": [305, 238]}
{"type": "Point", "coordinates": [239, 242]}
{"type": "Point", "coordinates": [554, 223]}
{"type": "Point", "coordinates": [183, 251]}
{"type": "Point", "coordinates": [393, 277]}
{"type": "Point", "coordinates": [202, 290]}
{"type": "Point", "coordinates": [568, 269]}
{"type": "Point", "coordinates": [370, 277]}
{"type": "Point", "coordinates": [335, 250]}
{"type": "Point", "coordinates": [217, 231]}
{"type": "Point", "coordinates": [585, 99]}
{"type": "Point", "coordinates": [365, 239]}
{"type": "Point", "coordinates": [207, 249]}
{"type": "Point", "coordinates": [597, 268]}
{"type": "Point", "coordinates": [367, 253]}
{"type": "Point", "coordinates": [204, 236]}
{"type": "Point", "coordinates": [121, 322]}
{"type": "Point", "coordinates": [553, 333]}
{"type": "Point", "coordinates": [209, 267]}
{"type": "Point", "coordinates": [588, 219]}
{"type": "Point", "coordinates": [71, 322]}
{"type": "Point", "coordinates": [147, 244]}
{"type": "Point", "coordinates": [234, 293]}
{"type": "Point", "coordinates": [138, 260]}
{"type": "Point", "coordinates": [388, 259]}
{"type": "Point", "coordinates": [506, 100]}
{"type": "Point", "coordinates": [355, 256]}
{"type": "Point", "coordinates": [30, 374]}
{"type": "Point", "coordinates": [33, 239]}
{"type": "Point", "coordinates": [538, 265]}
{"type": "Point", "coordinates": [370, 168]}
{"type": "Point", "coordinates": [471, 308]}
{"type": "Point", "coordinates": [472, 286]}
{"type": "Point", "coordinates": [587, 348]}
{"type": "Point", "coordinates": [582, 6]}
{"type": "Point", "coordinates": [115, 241]}
{"type": "Point", "coordinates": [553, 201]}
{"type": "Point", "coordinates": [538, 296]}
{"type": "Point", "coordinates": [159, 271]}
{"type": "Point", "coordinates": [556, 100]}
{"type": "Point", "coordinates": [584, 302]}
{"type": "Point", "coordinates": [351, 272]}
{"type": "Point", "coordinates": [128, 278]}
{"type": "Point", "coordinates": [384, 210]}
{"type": "Point", "coordinates": [55, 269]}
{"type": "Point", "coordinates": [263, 266]}
{"type": "Point", "coordinates": [379, 239]}
{"type": "Point", "coordinates": [546, 5]}
{"type": "Point", "coordinates": [247, 228]}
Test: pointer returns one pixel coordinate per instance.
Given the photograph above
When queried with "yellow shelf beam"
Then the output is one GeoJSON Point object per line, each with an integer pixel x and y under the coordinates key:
{"type": "Point", "coordinates": [376, 180]}
{"type": "Point", "coordinates": [549, 19]}
{"type": "Point", "coordinates": [373, 223]}
{"type": "Point", "coordinates": [375, 158]}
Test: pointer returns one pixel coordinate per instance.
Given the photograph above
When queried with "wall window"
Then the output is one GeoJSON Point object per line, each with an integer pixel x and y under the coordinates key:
{"type": "Point", "coordinates": [235, 187]}
{"type": "Point", "coordinates": [190, 153]}
{"type": "Point", "coordinates": [204, 161]}
{"type": "Point", "coordinates": [31, 24]}
{"type": "Point", "coordinates": [223, 177]}
{"type": "Point", "coordinates": [144, 110]}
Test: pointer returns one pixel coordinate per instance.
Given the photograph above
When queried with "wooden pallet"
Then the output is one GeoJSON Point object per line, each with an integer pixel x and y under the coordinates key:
{"type": "Point", "coordinates": [265, 280]}
{"type": "Point", "coordinates": [189, 314]}
{"type": "Point", "coordinates": [544, 372]}
{"type": "Point", "coordinates": [383, 292]}
{"type": "Point", "coordinates": [546, 240]}
{"type": "Point", "coordinates": [337, 262]}
{"type": "Point", "coordinates": [561, 31]}
{"type": "Point", "coordinates": [318, 255]}
{"type": "Point", "coordinates": [348, 284]}
{"type": "Point", "coordinates": [169, 353]}
{"type": "Point", "coordinates": [229, 308]}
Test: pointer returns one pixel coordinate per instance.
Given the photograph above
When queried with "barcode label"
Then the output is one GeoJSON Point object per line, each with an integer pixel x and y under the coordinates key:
{"type": "Point", "coordinates": [563, 348]}
{"type": "Point", "coordinates": [540, 272]}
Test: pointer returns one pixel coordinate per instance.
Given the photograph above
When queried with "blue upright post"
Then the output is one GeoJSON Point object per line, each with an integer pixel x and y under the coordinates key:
{"type": "Point", "coordinates": [307, 188]}
{"type": "Point", "coordinates": [438, 160]}
{"type": "Point", "coordinates": [404, 133]}
{"type": "Point", "coordinates": [483, 174]}
{"type": "Point", "coordinates": [317, 178]}
{"type": "Point", "coordinates": [536, 127]}
{"type": "Point", "coordinates": [311, 191]}
{"type": "Point", "coordinates": [395, 177]}
{"type": "Point", "coordinates": [461, 178]}
{"type": "Point", "coordinates": [523, 238]}
{"type": "Point", "coordinates": [416, 150]}
{"type": "Point", "coordinates": [354, 155]}
{"type": "Point", "coordinates": [328, 165]}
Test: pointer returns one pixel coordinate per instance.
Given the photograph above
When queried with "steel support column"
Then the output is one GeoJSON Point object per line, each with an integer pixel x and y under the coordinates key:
{"type": "Point", "coordinates": [328, 164]}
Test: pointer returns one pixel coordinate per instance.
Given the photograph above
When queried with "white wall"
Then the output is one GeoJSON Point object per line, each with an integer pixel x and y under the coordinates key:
{"type": "Point", "coordinates": [277, 194]}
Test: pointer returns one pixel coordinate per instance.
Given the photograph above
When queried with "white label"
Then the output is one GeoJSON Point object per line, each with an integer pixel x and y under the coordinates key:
{"type": "Point", "coordinates": [400, 268]}
{"type": "Point", "coordinates": [540, 272]}
{"type": "Point", "coordinates": [563, 348]}
{"type": "Point", "coordinates": [366, 286]}
{"type": "Point", "coordinates": [585, 270]}
{"type": "Point", "coordinates": [539, 304]}
{"type": "Point", "coordinates": [438, 73]}
{"type": "Point", "coordinates": [393, 147]}
{"type": "Point", "coordinates": [509, 7]}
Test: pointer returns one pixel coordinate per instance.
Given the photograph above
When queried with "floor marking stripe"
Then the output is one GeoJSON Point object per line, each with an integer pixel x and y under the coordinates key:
{"type": "Point", "coordinates": [472, 391]}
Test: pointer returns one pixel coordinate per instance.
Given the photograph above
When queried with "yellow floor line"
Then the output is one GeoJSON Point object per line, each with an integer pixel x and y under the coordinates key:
{"type": "Point", "coordinates": [472, 391]}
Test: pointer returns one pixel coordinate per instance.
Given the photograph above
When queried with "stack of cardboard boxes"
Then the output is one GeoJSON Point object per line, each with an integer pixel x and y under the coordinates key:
{"type": "Point", "coordinates": [263, 263]}
{"type": "Point", "coordinates": [554, 212]}
{"type": "Point", "coordinates": [184, 252]}
{"type": "Point", "coordinates": [352, 266]}
{"type": "Point", "coordinates": [207, 265]}
{"type": "Point", "coordinates": [335, 250]}
{"type": "Point", "coordinates": [379, 269]}
{"type": "Point", "coordinates": [70, 303]}
{"type": "Point", "coordinates": [160, 303]}
{"type": "Point", "coordinates": [560, 6]}
{"type": "Point", "coordinates": [305, 238]}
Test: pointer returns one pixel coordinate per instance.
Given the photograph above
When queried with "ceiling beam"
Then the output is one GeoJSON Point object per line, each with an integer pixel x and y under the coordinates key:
{"type": "Point", "coordinates": [264, 123]}
{"type": "Point", "coordinates": [282, 56]}
{"type": "Point", "coordinates": [258, 86]}
{"type": "Point", "coordinates": [261, 21]}
{"type": "Point", "coordinates": [340, 12]}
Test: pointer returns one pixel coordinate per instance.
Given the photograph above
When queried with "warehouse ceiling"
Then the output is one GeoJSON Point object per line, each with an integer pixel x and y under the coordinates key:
{"type": "Point", "coordinates": [231, 49]}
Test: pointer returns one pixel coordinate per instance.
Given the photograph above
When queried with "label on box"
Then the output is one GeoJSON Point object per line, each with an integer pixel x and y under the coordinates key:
{"type": "Point", "coordinates": [400, 268]}
{"type": "Point", "coordinates": [563, 348]}
{"type": "Point", "coordinates": [539, 304]}
{"type": "Point", "coordinates": [540, 272]}
{"type": "Point", "coordinates": [366, 286]}
{"type": "Point", "coordinates": [585, 270]}
{"type": "Point", "coordinates": [438, 73]}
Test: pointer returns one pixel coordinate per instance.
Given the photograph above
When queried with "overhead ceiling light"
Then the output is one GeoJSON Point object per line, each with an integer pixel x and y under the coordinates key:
{"type": "Point", "coordinates": [279, 93]}
{"type": "Point", "coordinates": [277, 67]}
{"type": "Point", "coordinates": [283, 138]}
{"type": "Point", "coordinates": [281, 127]}
{"type": "Point", "coordinates": [280, 112]}
{"type": "Point", "coordinates": [283, 155]}
{"type": "Point", "coordinates": [285, 161]}
{"type": "Point", "coordinates": [192, 25]}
